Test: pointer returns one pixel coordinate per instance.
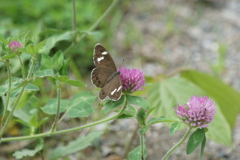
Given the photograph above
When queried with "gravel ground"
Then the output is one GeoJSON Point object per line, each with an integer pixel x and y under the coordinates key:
{"type": "Point", "coordinates": [173, 34]}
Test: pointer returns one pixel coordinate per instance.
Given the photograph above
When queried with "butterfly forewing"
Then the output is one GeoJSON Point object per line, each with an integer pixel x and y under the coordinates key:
{"type": "Point", "coordinates": [102, 58]}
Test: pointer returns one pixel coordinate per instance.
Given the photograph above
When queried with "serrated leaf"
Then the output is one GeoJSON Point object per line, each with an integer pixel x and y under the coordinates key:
{"type": "Point", "coordinates": [28, 152]}
{"type": "Point", "coordinates": [174, 127]}
{"type": "Point", "coordinates": [136, 154]}
{"type": "Point", "coordinates": [110, 105]}
{"type": "Point", "coordinates": [138, 101]}
{"type": "Point", "coordinates": [195, 140]}
{"type": "Point", "coordinates": [202, 147]}
{"type": "Point", "coordinates": [81, 105]}
{"type": "Point", "coordinates": [74, 146]}
{"type": "Point", "coordinates": [51, 106]}
{"type": "Point", "coordinates": [45, 73]}
{"type": "Point", "coordinates": [8, 56]}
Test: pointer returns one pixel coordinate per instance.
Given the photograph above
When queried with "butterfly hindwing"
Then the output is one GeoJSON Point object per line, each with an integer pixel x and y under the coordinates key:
{"type": "Point", "coordinates": [111, 90]}
{"type": "Point", "coordinates": [99, 76]}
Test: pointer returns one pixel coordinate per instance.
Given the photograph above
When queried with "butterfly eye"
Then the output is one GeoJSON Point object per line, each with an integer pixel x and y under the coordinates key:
{"type": "Point", "coordinates": [99, 82]}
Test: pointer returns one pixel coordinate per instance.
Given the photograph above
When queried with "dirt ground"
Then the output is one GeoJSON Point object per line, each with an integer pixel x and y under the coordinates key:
{"type": "Point", "coordinates": [171, 34]}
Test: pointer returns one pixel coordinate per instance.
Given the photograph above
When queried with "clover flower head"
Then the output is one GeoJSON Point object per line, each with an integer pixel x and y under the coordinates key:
{"type": "Point", "coordinates": [132, 79]}
{"type": "Point", "coordinates": [14, 45]}
{"type": "Point", "coordinates": [198, 111]}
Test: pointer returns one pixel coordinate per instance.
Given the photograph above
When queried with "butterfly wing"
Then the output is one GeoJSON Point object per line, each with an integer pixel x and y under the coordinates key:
{"type": "Point", "coordinates": [102, 58]}
{"type": "Point", "coordinates": [99, 76]}
{"type": "Point", "coordinates": [112, 90]}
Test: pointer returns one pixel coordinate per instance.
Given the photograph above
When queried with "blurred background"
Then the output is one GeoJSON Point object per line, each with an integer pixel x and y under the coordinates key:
{"type": "Point", "coordinates": [159, 37]}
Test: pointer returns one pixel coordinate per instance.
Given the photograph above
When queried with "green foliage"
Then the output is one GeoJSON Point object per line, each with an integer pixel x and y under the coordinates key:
{"type": "Point", "coordinates": [28, 152]}
{"type": "Point", "coordinates": [110, 105]}
{"type": "Point", "coordinates": [136, 154]}
{"type": "Point", "coordinates": [74, 146]}
{"type": "Point", "coordinates": [174, 127]}
{"type": "Point", "coordinates": [138, 101]}
{"type": "Point", "coordinates": [195, 140]}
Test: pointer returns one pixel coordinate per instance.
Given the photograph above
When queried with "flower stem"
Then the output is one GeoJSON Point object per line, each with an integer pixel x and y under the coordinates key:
{"type": "Point", "coordinates": [8, 93]}
{"type": "Point", "coordinates": [178, 144]}
{"type": "Point", "coordinates": [33, 60]}
{"type": "Point", "coordinates": [67, 51]}
{"type": "Point", "coordinates": [142, 145]}
{"type": "Point", "coordinates": [58, 107]}
{"type": "Point", "coordinates": [11, 113]}
{"type": "Point", "coordinates": [67, 130]}
{"type": "Point", "coordinates": [22, 67]}
{"type": "Point", "coordinates": [73, 15]}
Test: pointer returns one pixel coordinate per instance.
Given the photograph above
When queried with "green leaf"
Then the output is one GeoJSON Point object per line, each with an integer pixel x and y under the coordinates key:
{"type": "Point", "coordinates": [195, 140]}
{"type": "Point", "coordinates": [45, 73]}
{"type": "Point", "coordinates": [30, 49]}
{"type": "Point", "coordinates": [125, 115]}
{"type": "Point", "coordinates": [57, 60]}
{"type": "Point", "coordinates": [161, 119]}
{"type": "Point", "coordinates": [46, 62]}
{"type": "Point", "coordinates": [74, 146]}
{"type": "Point", "coordinates": [138, 101]}
{"type": "Point", "coordinates": [143, 130]}
{"type": "Point", "coordinates": [132, 110]}
{"type": "Point", "coordinates": [39, 45]}
{"type": "Point", "coordinates": [81, 105]}
{"type": "Point", "coordinates": [34, 118]}
{"type": "Point", "coordinates": [51, 106]}
{"type": "Point", "coordinates": [165, 95]}
{"type": "Point", "coordinates": [150, 111]}
{"type": "Point", "coordinates": [64, 79]}
{"type": "Point", "coordinates": [202, 147]}
{"type": "Point", "coordinates": [212, 87]}
{"type": "Point", "coordinates": [28, 152]}
{"type": "Point", "coordinates": [174, 127]}
{"type": "Point", "coordinates": [141, 117]}
{"type": "Point", "coordinates": [31, 87]}
{"type": "Point", "coordinates": [110, 105]}
{"type": "Point", "coordinates": [136, 154]}
{"type": "Point", "coordinates": [3, 40]}
{"type": "Point", "coordinates": [8, 56]}
{"type": "Point", "coordinates": [52, 40]}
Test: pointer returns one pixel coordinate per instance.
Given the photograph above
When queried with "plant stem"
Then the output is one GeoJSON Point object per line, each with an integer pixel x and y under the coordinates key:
{"type": "Point", "coordinates": [74, 15]}
{"type": "Point", "coordinates": [58, 106]}
{"type": "Point", "coordinates": [12, 110]}
{"type": "Point", "coordinates": [142, 145]}
{"type": "Point", "coordinates": [22, 67]}
{"type": "Point", "coordinates": [67, 51]}
{"type": "Point", "coordinates": [33, 60]}
{"type": "Point", "coordinates": [178, 144]}
{"type": "Point", "coordinates": [67, 130]}
{"type": "Point", "coordinates": [8, 93]}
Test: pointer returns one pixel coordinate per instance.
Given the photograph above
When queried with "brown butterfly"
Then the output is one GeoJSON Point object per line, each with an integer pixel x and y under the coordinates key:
{"type": "Point", "coordinates": [105, 75]}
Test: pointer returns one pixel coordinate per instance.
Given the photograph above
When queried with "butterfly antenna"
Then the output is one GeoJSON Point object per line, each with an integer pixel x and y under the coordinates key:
{"type": "Point", "coordinates": [122, 63]}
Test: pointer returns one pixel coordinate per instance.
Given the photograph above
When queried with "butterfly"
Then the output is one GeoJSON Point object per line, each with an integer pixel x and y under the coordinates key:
{"type": "Point", "coordinates": [105, 75]}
